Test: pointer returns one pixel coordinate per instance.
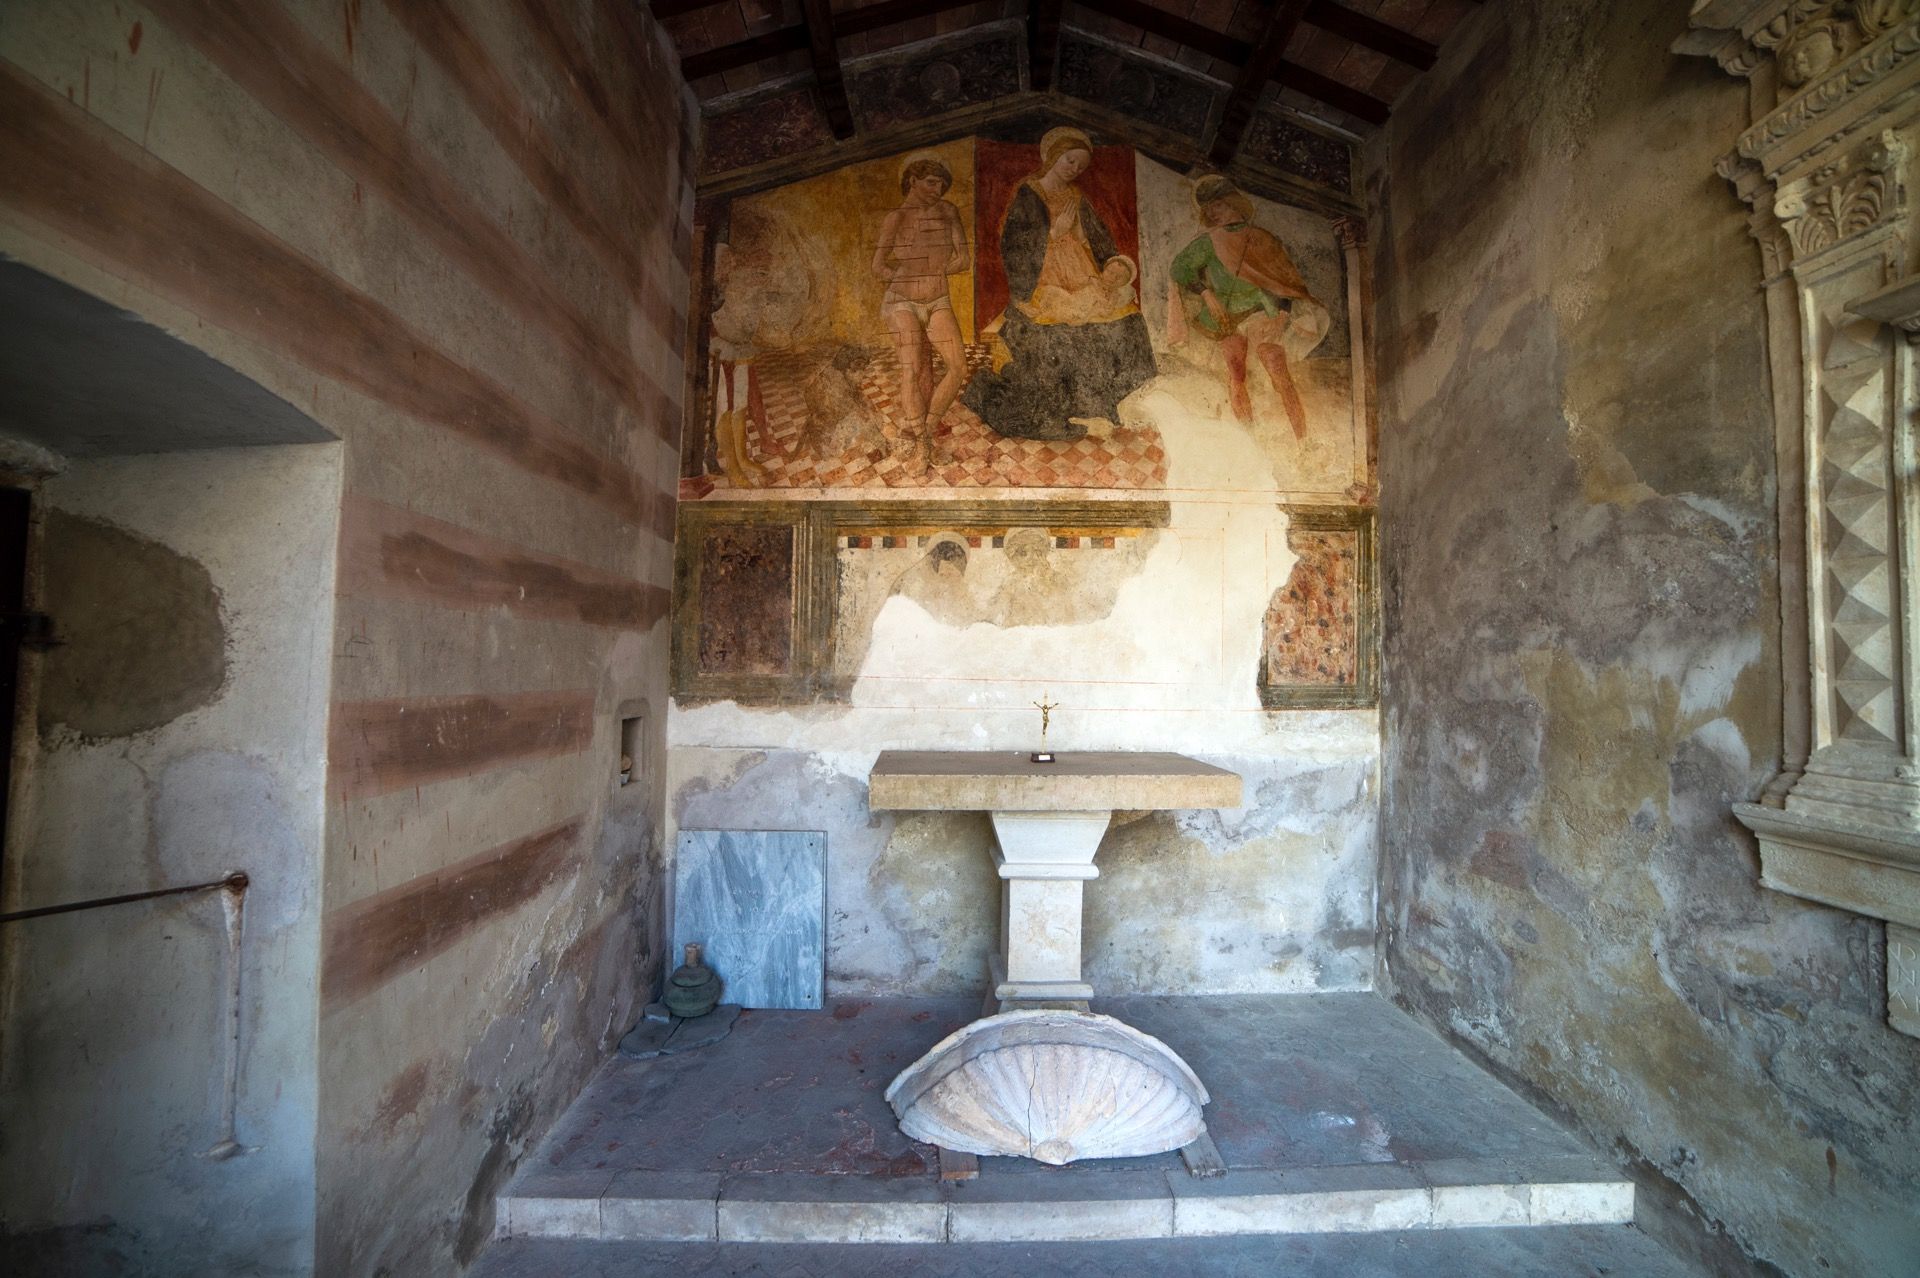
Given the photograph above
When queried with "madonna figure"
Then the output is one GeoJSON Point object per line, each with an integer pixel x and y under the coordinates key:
{"type": "Point", "coordinates": [1074, 342]}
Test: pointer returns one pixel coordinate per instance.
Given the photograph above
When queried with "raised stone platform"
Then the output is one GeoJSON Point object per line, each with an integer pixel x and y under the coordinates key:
{"type": "Point", "coordinates": [1333, 1113]}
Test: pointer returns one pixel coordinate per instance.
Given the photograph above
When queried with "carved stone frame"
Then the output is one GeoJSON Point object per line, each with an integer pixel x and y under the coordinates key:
{"type": "Point", "coordinates": [1826, 166]}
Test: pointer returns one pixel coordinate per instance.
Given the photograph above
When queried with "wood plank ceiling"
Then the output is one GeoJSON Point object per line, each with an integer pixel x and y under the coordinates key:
{"type": "Point", "coordinates": [780, 78]}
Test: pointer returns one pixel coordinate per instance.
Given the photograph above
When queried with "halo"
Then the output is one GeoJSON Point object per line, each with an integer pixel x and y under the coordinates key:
{"type": "Point", "coordinates": [915, 157]}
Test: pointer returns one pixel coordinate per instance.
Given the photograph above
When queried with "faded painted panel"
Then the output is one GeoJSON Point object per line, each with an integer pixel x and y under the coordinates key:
{"type": "Point", "coordinates": [747, 601]}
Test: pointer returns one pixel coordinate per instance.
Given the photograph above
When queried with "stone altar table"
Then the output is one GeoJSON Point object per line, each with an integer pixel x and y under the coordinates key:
{"type": "Point", "coordinates": [1048, 819]}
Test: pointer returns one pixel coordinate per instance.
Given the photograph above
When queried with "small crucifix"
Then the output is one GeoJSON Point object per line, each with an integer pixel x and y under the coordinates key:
{"type": "Point", "coordinates": [1046, 709]}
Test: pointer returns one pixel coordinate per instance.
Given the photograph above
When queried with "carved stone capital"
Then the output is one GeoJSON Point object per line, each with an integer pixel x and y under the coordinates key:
{"type": "Point", "coordinates": [1842, 199]}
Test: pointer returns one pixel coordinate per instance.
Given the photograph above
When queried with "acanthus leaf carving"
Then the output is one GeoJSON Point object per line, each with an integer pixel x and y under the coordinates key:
{"type": "Point", "coordinates": [1841, 200]}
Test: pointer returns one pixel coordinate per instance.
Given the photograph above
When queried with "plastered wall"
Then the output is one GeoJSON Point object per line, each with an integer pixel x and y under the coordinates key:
{"type": "Point", "coordinates": [456, 235]}
{"type": "Point", "coordinates": [171, 739]}
{"type": "Point", "coordinates": [1581, 669]}
{"type": "Point", "coordinates": [1085, 504]}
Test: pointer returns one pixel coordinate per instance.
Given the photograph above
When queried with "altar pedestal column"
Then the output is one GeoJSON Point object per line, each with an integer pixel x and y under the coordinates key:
{"type": "Point", "coordinates": [1044, 860]}
{"type": "Point", "coordinates": [1048, 819]}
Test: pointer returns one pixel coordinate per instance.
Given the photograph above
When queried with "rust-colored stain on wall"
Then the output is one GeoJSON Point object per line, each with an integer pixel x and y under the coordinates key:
{"type": "Point", "coordinates": [1311, 634]}
{"type": "Point", "coordinates": [746, 616]}
{"type": "Point", "coordinates": [394, 552]}
{"type": "Point", "coordinates": [123, 207]}
{"type": "Point", "coordinates": [385, 745]}
{"type": "Point", "coordinates": [373, 940]}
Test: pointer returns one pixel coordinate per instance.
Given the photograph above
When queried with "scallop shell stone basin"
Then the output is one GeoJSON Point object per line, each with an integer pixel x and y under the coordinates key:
{"type": "Point", "coordinates": [1053, 1085]}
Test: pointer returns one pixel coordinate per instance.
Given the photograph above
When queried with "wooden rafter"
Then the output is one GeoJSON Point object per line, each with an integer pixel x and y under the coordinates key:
{"type": "Point", "coordinates": [768, 44]}
{"type": "Point", "coordinates": [664, 9]}
{"type": "Point", "coordinates": [824, 48]}
{"type": "Point", "coordinates": [1371, 33]}
{"type": "Point", "coordinates": [1171, 26]}
{"type": "Point", "coordinates": [1348, 24]}
{"type": "Point", "coordinates": [1217, 44]}
{"type": "Point", "coordinates": [1330, 91]}
{"type": "Point", "coordinates": [771, 44]}
{"type": "Point", "coordinates": [871, 17]}
{"type": "Point", "coordinates": [1262, 65]}
{"type": "Point", "coordinates": [1044, 24]}
{"type": "Point", "coordinates": [1043, 42]}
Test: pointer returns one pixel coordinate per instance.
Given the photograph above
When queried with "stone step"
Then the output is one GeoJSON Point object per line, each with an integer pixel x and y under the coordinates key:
{"type": "Point", "coordinates": [1427, 1253]}
{"type": "Point", "coordinates": [1044, 1206]}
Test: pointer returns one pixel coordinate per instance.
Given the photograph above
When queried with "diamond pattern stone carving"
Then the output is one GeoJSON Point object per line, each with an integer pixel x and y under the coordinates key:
{"type": "Point", "coordinates": [1856, 522]}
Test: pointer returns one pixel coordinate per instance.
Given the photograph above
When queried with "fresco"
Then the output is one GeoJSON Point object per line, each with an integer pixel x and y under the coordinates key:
{"type": "Point", "coordinates": [1316, 644]}
{"type": "Point", "coordinates": [1037, 402]}
{"type": "Point", "coordinates": [1036, 311]}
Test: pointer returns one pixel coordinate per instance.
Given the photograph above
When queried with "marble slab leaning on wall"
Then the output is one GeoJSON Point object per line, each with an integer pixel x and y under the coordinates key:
{"type": "Point", "coordinates": [757, 901]}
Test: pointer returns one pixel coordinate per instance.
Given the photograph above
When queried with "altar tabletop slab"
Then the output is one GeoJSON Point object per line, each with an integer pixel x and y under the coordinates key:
{"type": "Point", "coordinates": [1080, 781]}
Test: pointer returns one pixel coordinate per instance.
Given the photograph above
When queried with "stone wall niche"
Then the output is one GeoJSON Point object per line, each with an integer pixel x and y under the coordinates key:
{"type": "Point", "coordinates": [1827, 167]}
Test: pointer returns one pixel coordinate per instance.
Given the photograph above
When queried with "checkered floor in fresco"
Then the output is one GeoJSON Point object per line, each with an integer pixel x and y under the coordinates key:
{"type": "Point", "coordinates": [966, 452]}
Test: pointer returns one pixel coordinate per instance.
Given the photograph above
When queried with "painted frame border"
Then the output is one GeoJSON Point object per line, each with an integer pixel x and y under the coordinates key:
{"type": "Point", "coordinates": [817, 527]}
{"type": "Point", "coordinates": [1364, 692]}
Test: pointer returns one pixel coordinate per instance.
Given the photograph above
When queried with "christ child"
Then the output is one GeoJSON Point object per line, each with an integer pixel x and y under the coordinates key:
{"type": "Point", "coordinates": [921, 244]}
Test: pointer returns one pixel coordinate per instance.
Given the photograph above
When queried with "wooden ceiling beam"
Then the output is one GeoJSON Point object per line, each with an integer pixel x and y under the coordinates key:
{"type": "Point", "coordinates": [871, 17]}
{"type": "Point", "coordinates": [771, 44]}
{"type": "Point", "coordinates": [1043, 42]}
{"type": "Point", "coordinates": [824, 48]}
{"type": "Point", "coordinates": [1262, 65]}
{"type": "Point", "coordinates": [1371, 33]}
{"type": "Point", "coordinates": [1292, 75]}
{"type": "Point", "coordinates": [1149, 18]}
{"type": "Point", "coordinates": [664, 9]}
{"type": "Point", "coordinates": [1156, 21]}
{"type": "Point", "coordinates": [1171, 26]}
{"type": "Point", "coordinates": [768, 44]}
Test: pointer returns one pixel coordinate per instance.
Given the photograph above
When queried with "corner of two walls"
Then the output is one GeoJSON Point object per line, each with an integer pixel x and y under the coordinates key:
{"type": "Point", "coordinates": [456, 235]}
{"type": "Point", "coordinates": [1581, 668]}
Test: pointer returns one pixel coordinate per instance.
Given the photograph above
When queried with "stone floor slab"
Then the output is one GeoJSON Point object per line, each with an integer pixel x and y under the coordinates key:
{"type": "Point", "coordinates": [1332, 1113]}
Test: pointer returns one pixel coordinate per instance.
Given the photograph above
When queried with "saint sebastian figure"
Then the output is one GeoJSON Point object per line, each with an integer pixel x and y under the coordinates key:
{"type": "Point", "coordinates": [921, 244]}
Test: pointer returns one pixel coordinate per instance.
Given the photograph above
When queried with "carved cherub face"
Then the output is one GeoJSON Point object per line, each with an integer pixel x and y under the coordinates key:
{"type": "Point", "coordinates": [1811, 54]}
